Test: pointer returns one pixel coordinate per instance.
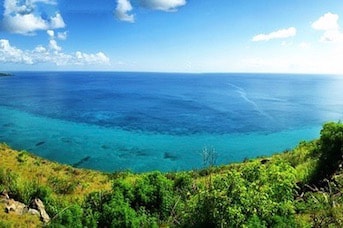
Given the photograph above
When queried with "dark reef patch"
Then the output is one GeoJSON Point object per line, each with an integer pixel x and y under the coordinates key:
{"type": "Point", "coordinates": [8, 125]}
{"type": "Point", "coordinates": [170, 156]}
{"type": "Point", "coordinates": [66, 140]}
{"type": "Point", "coordinates": [141, 153]}
{"type": "Point", "coordinates": [40, 143]}
{"type": "Point", "coordinates": [105, 147]}
{"type": "Point", "coordinates": [83, 160]}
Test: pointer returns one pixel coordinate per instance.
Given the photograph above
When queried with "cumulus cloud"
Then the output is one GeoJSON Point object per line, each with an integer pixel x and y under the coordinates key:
{"type": "Point", "coordinates": [56, 22]}
{"type": "Point", "coordinates": [13, 54]}
{"type": "Point", "coordinates": [169, 5]}
{"type": "Point", "coordinates": [328, 21]}
{"type": "Point", "coordinates": [52, 54]}
{"type": "Point", "coordinates": [329, 24]}
{"type": "Point", "coordinates": [84, 58]}
{"type": "Point", "coordinates": [122, 11]}
{"type": "Point", "coordinates": [124, 7]}
{"type": "Point", "coordinates": [59, 35]}
{"type": "Point", "coordinates": [51, 33]}
{"type": "Point", "coordinates": [22, 17]}
{"type": "Point", "coordinates": [62, 35]}
{"type": "Point", "coordinates": [279, 34]}
{"type": "Point", "coordinates": [54, 46]}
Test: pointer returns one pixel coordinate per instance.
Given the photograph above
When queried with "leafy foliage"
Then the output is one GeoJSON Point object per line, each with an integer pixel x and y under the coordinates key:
{"type": "Point", "coordinates": [243, 195]}
{"type": "Point", "coordinates": [331, 149]}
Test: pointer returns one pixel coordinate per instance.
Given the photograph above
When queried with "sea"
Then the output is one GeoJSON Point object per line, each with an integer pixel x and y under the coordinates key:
{"type": "Point", "coordinates": [117, 121]}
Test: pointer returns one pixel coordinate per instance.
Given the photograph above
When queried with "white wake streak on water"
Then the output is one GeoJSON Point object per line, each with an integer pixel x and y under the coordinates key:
{"type": "Point", "coordinates": [243, 94]}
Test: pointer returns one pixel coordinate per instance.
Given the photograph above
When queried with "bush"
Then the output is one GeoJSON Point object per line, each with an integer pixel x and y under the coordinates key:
{"type": "Point", "coordinates": [70, 216]}
{"type": "Point", "coordinates": [331, 149]}
{"type": "Point", "coordinates": [22, 156]}
{"type": "Point", "coordinates": [154, 192]}
{"type": "Point", "coordinates": [118, 213]}
{"type": "Point", "coordinates": [254, 194]}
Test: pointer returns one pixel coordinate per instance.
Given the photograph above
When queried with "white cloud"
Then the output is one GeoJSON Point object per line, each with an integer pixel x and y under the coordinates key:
{"type": "Point", "coordinates": [53, 54]}
{"type": "Point", "coordinates": [54, 46]}
{"type": "Point", "coordinates": [59, 35]}
{"type": "Point", "coordinates": [12, 54]}
{"type": "Point", "coordinates": [329, 24]}
{"type": "Point", "coordinates": [84, 58]}
{"type": "Point", "coordinates": [122, 11]}
{"type": "Point", "coordinates": [40, 49]}
{"type": "Point", "coordinates": [280, 34]}
{"type": "Point", "coordinates": [169, 5]}
{"type": "Point", "coordinates": [124, 7]}
{"type": "Point", "coordinates": [332, 36]}
{"type": "Point", "coordinates": [62, 35]}
{"type": "Point", "coordinates": [328, 21]}
{"type": "Point", "coordinates": [24, 24]}
{"type": "Point", "coordinates": [22, 17]}
{"type": "Point", "coordinates": [51, 33]}
{"type": "Point", "coordinates": [57, 22]}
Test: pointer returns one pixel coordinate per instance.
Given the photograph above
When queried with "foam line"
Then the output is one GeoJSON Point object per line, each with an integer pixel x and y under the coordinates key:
{"type": "Point", "coordinates": [243, 94]}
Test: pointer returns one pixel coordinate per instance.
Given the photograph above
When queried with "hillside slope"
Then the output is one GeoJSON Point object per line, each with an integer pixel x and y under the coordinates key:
{"type": "Point", "coordinates": [301, 187]}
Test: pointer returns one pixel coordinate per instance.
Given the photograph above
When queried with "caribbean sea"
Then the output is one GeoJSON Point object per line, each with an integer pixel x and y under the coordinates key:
{"type": "Point", "coordinates": [114, 121]}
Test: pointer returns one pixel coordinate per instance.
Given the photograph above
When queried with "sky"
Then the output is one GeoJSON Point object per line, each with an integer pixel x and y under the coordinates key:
{"type": "Point", "coordinates": [274, 36]}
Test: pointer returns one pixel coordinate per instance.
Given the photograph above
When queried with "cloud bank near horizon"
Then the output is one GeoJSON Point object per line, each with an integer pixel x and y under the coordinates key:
{"type": "Point", "coordinates": [50, 54]}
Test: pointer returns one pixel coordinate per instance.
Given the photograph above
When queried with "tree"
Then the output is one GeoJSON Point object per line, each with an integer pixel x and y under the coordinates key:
{"type": "Point", "coordinates": [331, 149]}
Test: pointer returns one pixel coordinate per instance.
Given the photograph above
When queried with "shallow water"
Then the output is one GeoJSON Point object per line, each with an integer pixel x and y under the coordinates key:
{"type": "Point", "coordinates": [143, 121]}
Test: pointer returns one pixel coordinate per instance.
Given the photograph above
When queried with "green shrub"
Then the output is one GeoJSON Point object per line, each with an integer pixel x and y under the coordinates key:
{"type": "Point", "coordinates": [22, 156]}
{"type": "Point", "coordinates": [118, 213]}
{"type": "Point", "coordinates": [252, 194]}
{"type": "Point", "coordinates": [70, 216]}
{"type": "Point", "coordinates": [5, 224]}
{"type": "Point", "coordinates": [154, 192]}
{"type": "Point", "coordinates": [331, 149]}
{"type": "Point", "coordinates": [183, 183]}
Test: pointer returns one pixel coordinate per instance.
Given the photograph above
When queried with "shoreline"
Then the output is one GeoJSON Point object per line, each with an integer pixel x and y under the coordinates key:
{"type": "Point", "coordinates": [2, 74]}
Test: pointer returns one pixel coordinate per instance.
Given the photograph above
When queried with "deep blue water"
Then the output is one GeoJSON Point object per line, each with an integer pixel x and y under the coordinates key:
{"type": "Point", "coordinates": [148, 121]}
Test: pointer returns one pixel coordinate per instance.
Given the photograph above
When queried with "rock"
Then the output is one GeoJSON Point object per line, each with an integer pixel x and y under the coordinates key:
{"type": "Point", "coordinates": [4, 197]}
{"type": "Point", "coordinates": [264, 161]}
{"type": "Point", "coordinates": [38, 204]}
{"type": "Point", "coordinates": [33, 212]}
{"type": "Point", "coordinates": [16, 207]}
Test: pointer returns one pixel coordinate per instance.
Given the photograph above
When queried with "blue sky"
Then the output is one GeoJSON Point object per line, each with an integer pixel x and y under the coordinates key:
{"type": "Point", "coordinates": [288, 36]}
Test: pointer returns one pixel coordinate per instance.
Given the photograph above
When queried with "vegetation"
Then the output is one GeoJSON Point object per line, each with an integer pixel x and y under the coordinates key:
{"type": "Point", "coordinates": [297, 188]}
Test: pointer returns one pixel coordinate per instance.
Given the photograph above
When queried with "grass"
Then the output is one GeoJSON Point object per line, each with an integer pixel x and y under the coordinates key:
{"type": "Point", "coordinates": [44, 172]}
{"type": "Point", "coordinates": [67, 184]}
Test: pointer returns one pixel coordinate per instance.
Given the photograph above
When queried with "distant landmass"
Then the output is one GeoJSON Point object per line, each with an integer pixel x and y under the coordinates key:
{"type": "Point", "coordinates": [5, 74]}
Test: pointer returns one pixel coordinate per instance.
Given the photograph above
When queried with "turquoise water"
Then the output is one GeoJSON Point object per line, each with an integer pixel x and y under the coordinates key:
{"type": "Point", "coordinates": [142, 122]}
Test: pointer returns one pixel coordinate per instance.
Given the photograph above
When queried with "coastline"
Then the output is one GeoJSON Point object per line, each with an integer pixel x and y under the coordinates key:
{"type": "Point", "coordinates": [286, 181]}
{"type": "Point", "coordinates": [2, 74]}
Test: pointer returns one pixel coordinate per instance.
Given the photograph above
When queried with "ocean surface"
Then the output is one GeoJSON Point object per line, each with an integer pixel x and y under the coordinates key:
{"type": "Point", "coordinates": [159, 121]}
